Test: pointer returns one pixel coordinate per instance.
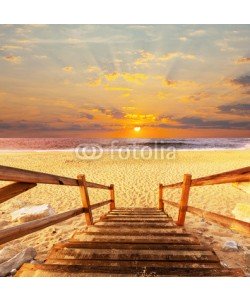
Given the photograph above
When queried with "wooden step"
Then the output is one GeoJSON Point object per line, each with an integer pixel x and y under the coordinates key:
{"type": "Point", "coordinates": [144, 217]}
{"type": "Point", "coordinates": [131, 246]}
{"type": "Point", "coordinates": [145, 225]}
{"type": "Point", "coordinates": [130, 219]}
{"type": "Point", "coordinates": [135, 263]}
{"type": "Point", "coordinates": [138, 209]}
{"type": "Point", "coordinates": [131, 242]}
{"type": "Point", "coordinates": [136, 239]}
{"type": "Point", "coordinates": [134, 214]}
{"type": "Point", "coordinates": [133, 230]}
{"type": "Point", "coordinates": [148, 235]}
{"type": "Point", "coordinates": [127, 254]}
{"type": "Point", "coordinates": [51, 270]}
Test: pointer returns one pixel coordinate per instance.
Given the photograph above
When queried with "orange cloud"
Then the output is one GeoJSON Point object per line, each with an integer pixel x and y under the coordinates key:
{"type": "Point", "coordinates": [13, 59]}
{"type": "Point", "coordinates": [141, 117]}
{"type": "Point", "coordinates": [147, 57]}
{"type": "Point", "coordinates": [243, 60]}
{"type": "Point", "coordinates": [111, 76]}
{"type": "Point", "coordinates": [95, 82]}
{"type": "Point", "coordinates": [172, 55]}
{"type": "Point", "coordinates": [68, 69]}
{"type": "Point", "coordinates": [93, 69]}
{"type": "Point", "coordinates": [116, 88]}
{"type": "Point", "coordinates": [137, 78]}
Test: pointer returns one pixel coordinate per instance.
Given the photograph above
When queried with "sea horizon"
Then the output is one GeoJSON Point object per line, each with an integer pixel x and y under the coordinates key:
{"type": "Point", "coordinates": [70, 144]}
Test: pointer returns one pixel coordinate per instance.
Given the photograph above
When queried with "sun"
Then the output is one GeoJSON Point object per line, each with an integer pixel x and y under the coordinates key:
{"type": "Point", "coordinates": [137, 129]}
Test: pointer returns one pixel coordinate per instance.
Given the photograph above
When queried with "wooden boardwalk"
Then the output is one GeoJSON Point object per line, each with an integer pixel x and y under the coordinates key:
{"type": "Point", "coordinates": [131, 242]}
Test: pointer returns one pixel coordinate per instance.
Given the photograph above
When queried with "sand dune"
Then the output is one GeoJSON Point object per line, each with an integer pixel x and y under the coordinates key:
{"type": "Point", "coordinates": [136, 184]}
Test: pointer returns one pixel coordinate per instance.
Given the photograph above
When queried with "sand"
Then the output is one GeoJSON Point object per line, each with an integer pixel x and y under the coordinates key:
{"type": "Point", "coordinates": [136, 183]}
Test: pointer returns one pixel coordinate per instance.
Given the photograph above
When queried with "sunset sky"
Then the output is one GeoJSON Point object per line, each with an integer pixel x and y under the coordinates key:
{"type": "Point", "coordinates": [105, 80]}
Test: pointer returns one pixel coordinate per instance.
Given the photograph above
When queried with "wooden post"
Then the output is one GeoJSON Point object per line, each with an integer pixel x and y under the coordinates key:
{"type": "Point", "coordinates": [184, 199]}
{"type": "Point", "coordinates": [112, 197]}
{"type": "Point", "coordinates": [85, 198]}
{"type": "Point", "coordinates": [161, 203]}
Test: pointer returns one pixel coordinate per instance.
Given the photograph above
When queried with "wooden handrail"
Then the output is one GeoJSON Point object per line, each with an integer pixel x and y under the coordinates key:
{"type": "Point", "coordinates": [18, 231]}
{"type": "Point", "coordinates": [225, 221]}
{"type": "Point", "coordinates": [20, 175]}
{"type": "Point", "coordinates": [11, 190]}
{"type": "Point", "coordinates": [99, 204]}
{"type": "Point", "coordinates": [239, 175]}
{"type": "Point", "coordinates": [26, 180]}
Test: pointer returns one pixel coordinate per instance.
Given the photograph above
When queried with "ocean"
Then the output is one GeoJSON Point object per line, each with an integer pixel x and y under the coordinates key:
{"type": "Point", "coordinates": [69, 144]}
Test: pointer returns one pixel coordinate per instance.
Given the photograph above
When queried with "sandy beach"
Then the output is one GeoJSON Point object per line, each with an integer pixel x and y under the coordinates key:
{"type": "Point", "coordinates": [136, 185]}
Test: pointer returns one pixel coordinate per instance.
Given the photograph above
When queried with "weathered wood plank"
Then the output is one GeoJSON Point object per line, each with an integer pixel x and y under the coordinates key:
{"type": "Point", "coordinates": [124, 254]}
{"type": "Point", "coordinates": [136, 233]}
{"type": "Point", "coordinates": [85, 199]}
{"type": "Point", "coordinates": [153, 214]}
{"type": "Point", "coordinates": [138, 216]}
{"type": "Point", "coordinates": [184, 199]}
{"type": "Point", "coordinates": [239, 175]}
{"type": "Point", "coordinates": [76, 270]}
{"type": "Point", "coordinates": [135, 264]}
{"type": "Point", "coordinates": [136, 224]}
{"type": "Point", "coordinates": [137, 239]}
{"type": "Point", "coordinates": [100, 204]}
{"type": "Point", "coordinates": [132, 220]}
{"type": "Point", "coordinates": [112, 197]}
{"type": "Point", "coordinates": [14, 189]}
{"type": "Point", "coordinates": [225, 221]}
{"type": "Point", "coordinates": [21, 175]}
{"type": "Point", "coordinates": [228, 222]}
{"type": "Point", "coordinates": [10, 234]}
{"type": "Point", "coordinates": [131, 246]}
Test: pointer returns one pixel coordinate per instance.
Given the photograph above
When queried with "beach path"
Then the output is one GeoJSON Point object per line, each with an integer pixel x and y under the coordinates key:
{"type": "Point", "coordinates": [131, 242]}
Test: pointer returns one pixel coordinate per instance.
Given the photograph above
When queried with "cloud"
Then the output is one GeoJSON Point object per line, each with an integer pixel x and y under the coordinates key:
{"type": "Point", "coordinates": [68, 69]}
{"type": "Point", "coordinates": [141, 117]}
{"type": "Point", "coordinates": [172, 55]}
{"type": "Point", "coordinates": [93, 69]}
{"type": "Point", "coordinates": [95, 82]}
{"type": "Point", "coordinates": [199, 32]}
{"type": "Point", "coordinates": [41, 57]}
{"type": "Point", "coordinates": [241, 109]}
{"type": "Point", "coordinates": [243, 60]}
{"type": "Point", "coordinates": [134, 77]}
{"type": "Point", "coordinates": [86, 116]}
{"type": "Point", "coordinates": [180, 84]}
{"type": "Point", "coordinates": [13, 59]}
{"type": "Point", "coordinates": [137, 78]}
{"type": "Point", "coordinates": [169, 82]}
{"type": "Point", "coordinates": [45, 127]}
{"type": "Point", "coordinates": [112, 112]}
{"type": "Point", "coordinates": [190, 122]}
{"type": "Point", "coordinates": [195, 122]}
{"type": "Point", "coordinates": [117, 88]}
{"type": "Point", "coordinates": [10, 48]}
{"type": "Point", "coordinates": [111, 76]}
{"type": "Point", "coordinates": [243, 80]}
{"type": "Point", "coordinates": [147, 57]}
{"type": "Point", "coordinates": [183, 38]}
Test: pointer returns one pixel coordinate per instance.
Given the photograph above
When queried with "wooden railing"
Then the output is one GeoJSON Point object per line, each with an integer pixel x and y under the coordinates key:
{"type": "Point", "coordinates": [25, 180]}
{"type": "Point", "coordinates": [239, 175]}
